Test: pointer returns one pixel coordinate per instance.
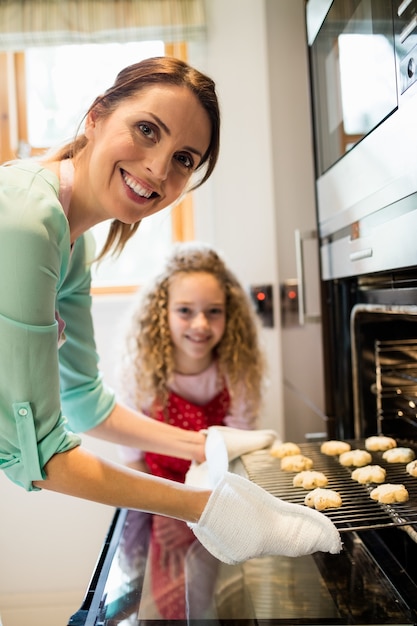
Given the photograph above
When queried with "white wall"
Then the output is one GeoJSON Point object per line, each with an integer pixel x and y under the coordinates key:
{"type": "Point", "coordinates": [236, 209]}
{"type": "Point", "coordinates": [294, 191]}
{"type": "Point", "coordinates": [49, 543]}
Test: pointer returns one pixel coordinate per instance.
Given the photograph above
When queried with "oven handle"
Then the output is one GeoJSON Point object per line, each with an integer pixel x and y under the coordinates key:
{"type": "Point", "coordinates": [300, 237]}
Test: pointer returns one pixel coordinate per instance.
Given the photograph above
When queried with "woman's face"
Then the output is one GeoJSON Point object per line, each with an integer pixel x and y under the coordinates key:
{"type": "Point", "coordinates": [142, 155]}
{"type": "Point", "coordinates": [196, 318]}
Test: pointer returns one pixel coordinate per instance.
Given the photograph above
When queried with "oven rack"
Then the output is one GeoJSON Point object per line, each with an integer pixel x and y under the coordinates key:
{"type": "Point", "coordinates": [358, 511]}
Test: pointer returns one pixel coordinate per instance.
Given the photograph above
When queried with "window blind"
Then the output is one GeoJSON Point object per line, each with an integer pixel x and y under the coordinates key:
{"type": "Point", "coordinates": [26, 23]}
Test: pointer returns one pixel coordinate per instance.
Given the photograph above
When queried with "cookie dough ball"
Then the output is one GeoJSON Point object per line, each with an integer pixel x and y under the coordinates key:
{"type": "Point", "coordinates": [380, 443]}
{"type": "Point", "coordinates": [399, 455]}
{"type": "Point", "coordinates": [321, 499]}
{"type": "Point", "coordinates": [296, 463]}
{"type": "Point", "coordinates": [389, 494]}
{"type": "Point", "coordinates": [309, 479]}
{"type": "Point", "coordinates": [334, 447]}
{"type": "Point", "coordinates": [369, 474]}
{"type": "Point", "coordinates": [412, 468]}
{"type": "Point", "coordinates": [355, 458]}
{"type": "Point", "coordinates": [284, 449]}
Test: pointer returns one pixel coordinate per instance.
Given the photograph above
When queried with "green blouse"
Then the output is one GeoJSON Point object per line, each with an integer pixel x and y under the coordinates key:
{"type": "Point", "coordinates": [46, 394]}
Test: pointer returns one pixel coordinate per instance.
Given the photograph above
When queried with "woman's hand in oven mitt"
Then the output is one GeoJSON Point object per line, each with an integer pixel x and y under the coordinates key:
{"type": "Point", "coordinates": [242, 521]}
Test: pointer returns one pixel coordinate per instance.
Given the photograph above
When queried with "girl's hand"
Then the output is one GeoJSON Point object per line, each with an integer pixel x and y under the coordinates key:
{"type": "Point", "coordinates": [238, 441]}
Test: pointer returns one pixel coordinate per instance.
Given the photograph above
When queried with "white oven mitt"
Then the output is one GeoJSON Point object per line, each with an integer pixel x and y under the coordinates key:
{"type": "Point", "coordinates": [242, 521]}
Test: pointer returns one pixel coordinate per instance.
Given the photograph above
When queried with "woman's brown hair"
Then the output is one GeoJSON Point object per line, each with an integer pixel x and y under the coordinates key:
{"type": "Point", "coordinates": [131, 80]}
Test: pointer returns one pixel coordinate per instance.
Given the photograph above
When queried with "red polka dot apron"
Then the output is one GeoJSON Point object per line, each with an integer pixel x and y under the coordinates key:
{"type": "Point", "coordinates": [168, 585]}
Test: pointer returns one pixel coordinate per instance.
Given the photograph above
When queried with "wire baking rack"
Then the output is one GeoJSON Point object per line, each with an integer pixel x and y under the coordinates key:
{"type": "Point", "coordinates": [358, 511]}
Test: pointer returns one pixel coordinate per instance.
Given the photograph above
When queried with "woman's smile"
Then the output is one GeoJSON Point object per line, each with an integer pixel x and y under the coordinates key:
{"type": "Point", "coordinates": [140, 191]}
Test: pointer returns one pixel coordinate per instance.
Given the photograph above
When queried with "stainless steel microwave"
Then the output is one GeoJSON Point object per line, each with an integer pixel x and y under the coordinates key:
{"type": "Point", "coordinates": [363, 56]}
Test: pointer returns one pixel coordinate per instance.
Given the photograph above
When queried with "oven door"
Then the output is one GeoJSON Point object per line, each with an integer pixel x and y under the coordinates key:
{"type": "Point", "coordinates": [153, 571]}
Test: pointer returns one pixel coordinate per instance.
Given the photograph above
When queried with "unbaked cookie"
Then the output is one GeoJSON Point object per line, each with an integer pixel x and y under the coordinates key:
{"type": "Point", "coordinates": [284, 449]}
{"type": "Point", "coordinates": [399, 455]}
{"type": "Point", "coordinates": [321, 499]}
{"type": "Point", "coordinates": [389, 494]}
{"type": "Point", "coordinates": [369, 474]}
{"type": "Point", "coordinates": [309, 479]}
{"type": "Point", "coordinates": [296, 463]}
{"type": "Point", "coordinates": [355, 458]}
{"type": "Point", "coordinates": [334, 447]}
{"type": "Point", "coordinates": [412, 468]}
{"type": "Point", "coordinates": [380, 443]}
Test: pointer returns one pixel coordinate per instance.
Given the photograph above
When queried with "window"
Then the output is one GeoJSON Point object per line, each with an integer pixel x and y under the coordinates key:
{"type": "Point", "coordinates": [62, 82]}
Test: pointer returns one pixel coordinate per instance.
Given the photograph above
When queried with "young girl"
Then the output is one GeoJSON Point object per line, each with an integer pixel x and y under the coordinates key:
{"type": "Point", "coordinates": [193, 357]}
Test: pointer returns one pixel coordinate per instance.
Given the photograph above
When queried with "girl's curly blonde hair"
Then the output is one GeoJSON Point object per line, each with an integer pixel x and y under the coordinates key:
{"type": "Point", "coordinates": [148, 361]}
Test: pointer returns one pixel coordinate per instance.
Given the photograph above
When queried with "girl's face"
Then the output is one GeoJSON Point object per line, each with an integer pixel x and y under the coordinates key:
{"type": "Point", "coordinates": [142, 155]}
{"type": "Point", "coordinates": [196, 318]}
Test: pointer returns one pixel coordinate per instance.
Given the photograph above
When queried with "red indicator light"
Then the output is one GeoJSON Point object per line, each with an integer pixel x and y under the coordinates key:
{"type": "Point", "coordinates": [260, 295]}
{"type": "Point", "coordinates": [292, 294]}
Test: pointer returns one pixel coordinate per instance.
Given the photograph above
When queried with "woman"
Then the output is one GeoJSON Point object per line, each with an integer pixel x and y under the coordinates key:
{"type": "Point", "coordinates": [146, 141]}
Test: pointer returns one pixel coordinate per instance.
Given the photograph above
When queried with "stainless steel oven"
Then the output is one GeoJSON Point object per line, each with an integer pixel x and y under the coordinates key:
{"type": "Point", "coordinates": [364, 93]}
{"type": "Point", "coordinates": [366, 195]}
{"type": "Point", "coordinates": [366, 184]}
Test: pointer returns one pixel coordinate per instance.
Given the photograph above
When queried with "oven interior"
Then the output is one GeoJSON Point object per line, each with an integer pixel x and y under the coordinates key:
{"type": "Point", "coordinates": [372, 382]}
{"type": "Point", "coordinates": [384, 362]}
